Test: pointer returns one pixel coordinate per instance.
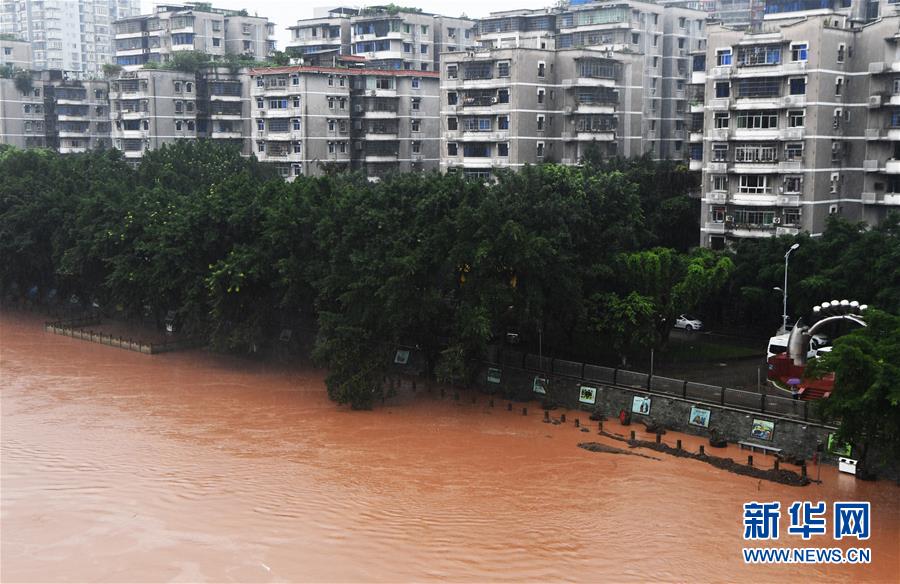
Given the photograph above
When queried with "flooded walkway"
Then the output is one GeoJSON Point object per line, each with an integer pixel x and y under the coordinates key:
{"type": "Point", "coordinates": [119, 466]}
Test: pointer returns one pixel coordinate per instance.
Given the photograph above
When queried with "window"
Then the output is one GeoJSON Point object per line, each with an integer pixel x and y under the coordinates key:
{"type": "Point", "coordinates": [343, 147]}
{"type": "Point", "coordinates": [720, 182]}
{"type": "Point", "coordinates": [416, 102]}
{"type": "Point", "coordinates": [407, 47]}
{"type": "Point", "coordinates": [655, 63]}
{"type": "Point", "coordinates": [503, 69]}
{"type": "Point", "coordinates": [178, 87]}
{"type": "Point", "coordinates": [415, 82]}
{"type": "Point", "coordinates": [330, 103]}
{"type": "Point", "coordinates": [682, 22]}
{"type": "Point", "coordinates": [838, 86]}
{"type": "Point", "coordinates": [424, 29]}
{"type": "Point", "coordinates": [635, 38]}
{"type": "Point", "coordinates": [502, 122]}
{"type": "Point", "coordinates": [178, 125]}
{"type": "Point", "coordinates": [754, 184]}
{"type": "Point", "coordinates": [540, 149]}
{"type": "Point", "coordinates": [295, 101]}
{"type": "Point", "coordinates": [295, 124]}
{"type": "Point", "coordinates": [793, 185]}
{"type": "Point", "coordinates": [451, 149]}
{"type": "Point", "coordinates": [541, 70]}
{"type": "Point", "coordinates": [332, 124]}
{"type": "Point", "coordinates": [719, 152]}
{"type": "Point", "coordinates": [721, 120]}
{"type": "Point", "coordinates": [188, 87]}
{"type": "Point", "coordinates": [279, 103]}
{"type": "Point", "coordinates": [793, 151]}
{"type": "Point", "coordinates": [452, 98]}
{"type": "Point", "coordinates": [756, 55]}
{"type": "Point", "coordinates": [179, 107]}
{"type": "Point", "coordinates": [190, 125]}
{"type": "Point", "coordinates": [260, 104]}
{"type": "Point", "coordinates": [835, 182]}
{"type": "Point", "coordinates": [840, 52]}
{"type": "Point", "coordinates": [796, 118]}
{"type": "Point", "coordinates": [896, 86]}
{"type": "Point", "coordinates": [477, 150]}
{"type": "Point", "coordinates": [189, 106]}
{"type": "Point", "coordinates": [798, 52]}
{"type": "Point", "coordinates": [452, 124]}
{"type": "Point", "coordinates": [540, 96]}
{"type": "Point", "coordinates": [791, 216]}
{"type": "Point", "coordinates": [656, 40]}
{"type": "Point", "coordinates": [757, 120]}
{"type": "Point", "coordinates": [331, 147]}
{"type": "Point", "coordinates": [797, 85]}
{"type": "Point", "coordinates": [416, 147]}
{"type": "Point", "coordinates": [503, 96]}
{"type": "Point", "coordinates": [503, 149]}
{"type": "Point", "coordinates": [680, 43]}
{"type": "Point", "coordinates": [452, 72]}
{"type": "Point", "coordinates": [723, 89]}
{"type": "Point", "coordinates": [540, 123]}
{"type": "Point", "coordinates": [331, 81]}
{"type": "Point", "coordinates": [723, 57]}
{"type": "Point", "coordinates": [260, 125]}
{"type": "Point", "coordinates": [753, 217]}
{"type": "Point", "coordinates": [260, 146]}
{"type": "Point", "coordinates": [297, 147]}
{"type": "Point", "coordinates": [424, 49]}
{"type": "Point", "coordinates": [718, 214]}
{"type": "Point", "coordinates": [415, 125]}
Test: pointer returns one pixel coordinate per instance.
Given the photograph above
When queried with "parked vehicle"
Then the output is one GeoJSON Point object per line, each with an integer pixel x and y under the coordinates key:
{"type": "Point", "coordinates": [688, 323]}
{"type": "Point", "coordinates": [778, 344]}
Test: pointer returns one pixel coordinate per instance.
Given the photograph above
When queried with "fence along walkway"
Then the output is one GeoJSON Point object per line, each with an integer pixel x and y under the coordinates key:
{"type": "Point", "coordinates": [75, 328]}
{"type": "Point", "coordinates": [655, 384]}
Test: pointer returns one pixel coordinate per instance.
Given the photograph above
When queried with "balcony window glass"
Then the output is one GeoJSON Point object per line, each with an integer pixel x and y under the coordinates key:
{"type": "Point", "coordinates": [452, 98]}
{"type": "Point", "coordinates": [759, 87]}
{"type": "Point", "coordinates": [721, 120]}
{"type": "Point", "coordinates": [793, 152]}
{"type": "Point", "coordinates": [755, 184]}
{"type": "Point", "coordinates": [723, 57]}
{"type": "Point", "coordinates": [796, 118]}
{"type": "Point", "coordinates": [476, 150]}
{"type": "Point", "coordinates": [759, 55]}
{"type": "Point", "coordinates": [540, 149]}
{"type": "Point", "coordinates": [793, 184]}
{"type": "Point", "coordinates": [720, 182]}
{"type": "Point", "coordinates": [799, 52]}
{"type": "Point", "coordinates": [503, 122]}
{"type": "Point", "coordinates": [503, 149]}
{"type": "Point", "coordinates": [452, 149]}
{"type": "Point", "coordinates": [452, 71]}
{"type": "Point", "coordinates": [720, 152]}
{"type": "Point", "coordinates": [503, 96]}
{"type": "Point", "coordinates": [757, 120]}
{"type": "Point", "coordinates": [754, 218]}
{"type": "Point", "coordinates": [723, 89]}
{"type": "Point", "coordinates": [696, 152]}
{"type": "Point", "coordinates": [503, 69]}
{"type": "Point", "coordinates": [295, 123]}
{"type": "Point", "coordinates": [452, 124]}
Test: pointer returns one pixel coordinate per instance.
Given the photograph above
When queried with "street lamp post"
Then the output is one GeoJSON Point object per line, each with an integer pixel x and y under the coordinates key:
{"type": "Point", "coordinates": [784, 291]}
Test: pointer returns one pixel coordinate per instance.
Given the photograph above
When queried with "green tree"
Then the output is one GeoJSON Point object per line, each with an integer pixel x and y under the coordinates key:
{"type": "Point", "coordinates": [866, 397]}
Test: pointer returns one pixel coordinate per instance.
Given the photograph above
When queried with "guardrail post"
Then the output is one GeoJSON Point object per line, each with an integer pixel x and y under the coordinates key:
{"type": "Point", "coordinates": [805, 411]}
{"type": "Point", "coordinates": [723, 396]}
{"type": "Point", "coordinates": [582, 370]}
{"type": "Point", "coordinates": [616, 376]}
{"type": "Point", "coordinates": [684, 390]}
{"type": "Point", "coordinates": [762, 402]}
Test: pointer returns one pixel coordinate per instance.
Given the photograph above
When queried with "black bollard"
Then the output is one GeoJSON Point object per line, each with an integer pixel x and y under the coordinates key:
{"type": "Point", "coordinates": [600, 425]}
{"type": "Point", "coordinates": [678, 444]}
{"type": "Point", "coordinates": [750, 460]}
{"type": "Point", "coordinates": [577, 423]}
{"type": "Point", "coordinates": [702, 451]}
{"type": "Point", "coordinates": [546, 416]}
{"type": "Point", "coordinates": [658, 438]}
{"type": "Point", "coordinates": [632, 434]}
{"type": "Point", "coordinates": [776, 464]}
{"type": "Point", "coordinates": [524, 411]}
{"type": "Point", "coordinates": [562, 418]}
{"type": "Point", "coordinates": [509, 407]}
{"type": "Point", "coordinates": [803, 469]}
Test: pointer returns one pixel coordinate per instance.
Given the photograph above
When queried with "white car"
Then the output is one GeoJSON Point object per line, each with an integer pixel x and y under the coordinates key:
{"type": "Point", "coordinates": [688, 323]}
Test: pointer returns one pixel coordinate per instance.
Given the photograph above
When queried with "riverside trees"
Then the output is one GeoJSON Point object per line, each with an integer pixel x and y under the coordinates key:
{"type": "Point", "coordinates": [435, 261]}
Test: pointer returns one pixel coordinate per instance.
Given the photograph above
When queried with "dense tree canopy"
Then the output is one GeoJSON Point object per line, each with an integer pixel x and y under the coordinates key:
{"type": "Point", "coordinates": [573, 256]}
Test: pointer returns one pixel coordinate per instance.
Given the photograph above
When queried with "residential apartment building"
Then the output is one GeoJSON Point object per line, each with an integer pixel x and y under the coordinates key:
{"type": "Point", "coordinates": [387, 37]}
{"type": "Point", "coordinates": [190, 27]}
{"type": "Point", "coordinates": [76, 112]}
{"type": "Point", "coordinates": [22, 120]}
{"type": "Point", "coordinates": [15, 54]}
{"type": "Point", "coordinates": [309, 120]}
{"type": "Point", "coordinates": [68, 35]}
{"type": "Point", "coordinates": [150, 108]}
{"type": "Point", "coordinates": [153, 107]}
{"type": "Point", "coordinates": [797, 124]}
{"type": "Point", "coordinates": [615, 81]}
{"type": "Point", "coordinates": [329, 33]}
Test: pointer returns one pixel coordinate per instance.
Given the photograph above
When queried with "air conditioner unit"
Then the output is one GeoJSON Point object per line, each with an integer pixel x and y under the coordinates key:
{"type": "Point", "coordinates": [729, 218]}
{"type": "Point", "coordinates": [874, 101]}
{"type": "Point", "coordinates": [788, 100]}
{"type": "Point", "coordinates": [776, 221]}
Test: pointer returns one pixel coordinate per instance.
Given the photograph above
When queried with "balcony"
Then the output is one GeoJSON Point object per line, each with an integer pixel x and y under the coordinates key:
{"type": "Point", "coordinates": [595, 107]}
{"type": "Point", "coordinates": [477, 136]}
{"type": "Point", "coordinates": [590, 135]}
{"type": "Point", "coordinates": [698, 77]}
{"type": "Point", "coordinates": [892, 166]}
{"type": "Point", "coordinates": [716, 103]}
{"type": "Point", "coordinates": [380, 136]}
{"type": "Point", "coordinates": [589, 82]}
{"type": "Point", "coordinates": [695, 137]}
{"type": "Point", "coordinates": [381, 157]}
{"type": "Point", "coordinates": [717, 197]}
{"type": "Point", "coordinates": [791, 200]}
{"type": "Point", "coordinates": [719, 166]}
{"type": "Point", "coordinates": [696, 107]}
{"type": "Point", "coordinates": [380, 114]}
{"type": "Point", "coordinates": [755, 200]}
{"type": "Point", "coordinates": [713, 227]}
{"type": "Point", "coordinates": [695, 165]}
{"type": "Point", "coordinates": [226, 134]}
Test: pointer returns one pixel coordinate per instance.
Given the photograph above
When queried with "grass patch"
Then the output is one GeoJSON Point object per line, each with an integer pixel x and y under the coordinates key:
{"type": "Point", "coordinates": [697, 350]}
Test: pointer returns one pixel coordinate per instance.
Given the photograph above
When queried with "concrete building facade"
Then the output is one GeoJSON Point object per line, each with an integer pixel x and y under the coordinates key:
{"type": "Point", "coordinates": [190, 27]}
{"type": "Point", "coordinates": [612, 76]}
{"type": "Point", "coordinates": [797, 125]}
{"type": "Point", "coordinates": [311, 120]}
{"type": "Point", "coordinates": [76, 112]}
{"type": "Point", "coordinates": [22, 118]}
{"type": "Point", "coordinates": [16, 54]}
{"type": "Point", "coordinates": [68, 35]}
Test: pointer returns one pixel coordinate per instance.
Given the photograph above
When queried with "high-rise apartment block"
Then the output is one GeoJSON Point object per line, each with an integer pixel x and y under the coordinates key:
{"type": "Point", "coordinates": [550, 84]}
{"type": "Point", "coordinates": [68, 35]}
{"type": "Point", "coordinates": [309, 120]}
{"type": "Point", "coordinates": [797, 123]}
{"type": "Point", "coordinates": [387, 37]}
{"type": "Point", "coordinates": [191, 27]}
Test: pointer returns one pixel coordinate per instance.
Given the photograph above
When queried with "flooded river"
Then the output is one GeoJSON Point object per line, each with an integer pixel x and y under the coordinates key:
{"type": "Point", "coordinates": [118, 466]}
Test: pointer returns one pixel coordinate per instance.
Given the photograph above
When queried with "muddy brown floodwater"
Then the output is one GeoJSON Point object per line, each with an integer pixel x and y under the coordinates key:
{"type": "Point", "coordinates": [118, 466]}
